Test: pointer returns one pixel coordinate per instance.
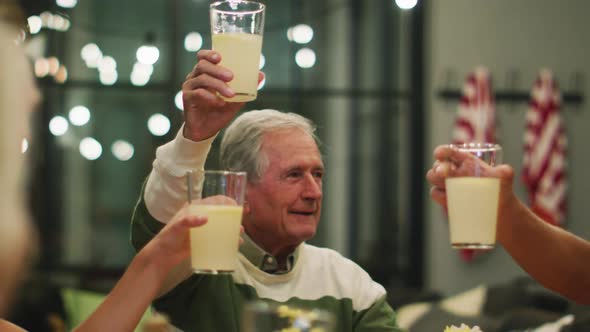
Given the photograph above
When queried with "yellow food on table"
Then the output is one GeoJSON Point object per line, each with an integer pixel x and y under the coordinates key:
{"type": "Point", "coordinates": [300, 320]}
{"type": "Point", "coordinates": [462, 328]}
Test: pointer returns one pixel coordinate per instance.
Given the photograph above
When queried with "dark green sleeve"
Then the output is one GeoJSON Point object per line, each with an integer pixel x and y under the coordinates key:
{"type": "Point", "coordinates": [143, 226]}
{"type": "Point", "coordinates": [377, 318]}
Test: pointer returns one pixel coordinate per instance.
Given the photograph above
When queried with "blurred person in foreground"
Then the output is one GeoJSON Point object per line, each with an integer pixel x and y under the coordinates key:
{"type": "Point", "coordinates": [554, 257]}
{"type": "Point", "coordinates": [18, 97]}
{"type": "Point", "coordinates": [126, 303]}
{"type": "Point", "coordinates": [280, 154]}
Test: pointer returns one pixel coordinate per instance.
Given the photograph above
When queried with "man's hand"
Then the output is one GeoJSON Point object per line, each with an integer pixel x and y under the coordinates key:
{"type": "Point", "coordinates": [205, 112]}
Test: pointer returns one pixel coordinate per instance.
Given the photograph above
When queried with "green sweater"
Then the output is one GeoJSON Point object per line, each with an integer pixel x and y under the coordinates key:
{"type": "Point", "coordinates": [321, 278]}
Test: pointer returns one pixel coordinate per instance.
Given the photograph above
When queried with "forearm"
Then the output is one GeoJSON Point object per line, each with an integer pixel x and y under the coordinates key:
{"type": "Point", "coordinates": [551, 255]}
{"type": "Point", "coordinates": [126, 303]}
{"type": "Point", "coordinates": [144, 228]}
{"type": "Point", "coordinates": [165, 190]}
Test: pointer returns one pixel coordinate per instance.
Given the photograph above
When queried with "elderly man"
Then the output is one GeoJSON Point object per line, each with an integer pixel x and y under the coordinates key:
{"type": "Point", "coordinates": [282, 210]}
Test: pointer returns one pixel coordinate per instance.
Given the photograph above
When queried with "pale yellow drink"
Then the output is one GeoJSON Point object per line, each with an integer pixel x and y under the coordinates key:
{"type": "Point", "coordinates": [240, 52]}
{"type": "Point", "coordinates": [473, 211]}
{"type": "Point", "coordinates": [214, 246]}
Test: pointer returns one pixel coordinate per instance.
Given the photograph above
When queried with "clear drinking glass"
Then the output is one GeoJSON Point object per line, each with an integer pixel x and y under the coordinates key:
{"type": "Point", "coordinates": [472, 197]}
{"type": "Point", "coordinates": [261, 316]}
{"type": "Point", "coordinates": [236, 33]}
{"type": "Point", "coordinates": [218, 195]}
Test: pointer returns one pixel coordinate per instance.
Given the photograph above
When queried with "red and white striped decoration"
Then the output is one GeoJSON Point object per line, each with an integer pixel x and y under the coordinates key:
{"type": "Point", "coordinates": [545, 146]}
{"type": "Point", "coordinates": [475, 120]}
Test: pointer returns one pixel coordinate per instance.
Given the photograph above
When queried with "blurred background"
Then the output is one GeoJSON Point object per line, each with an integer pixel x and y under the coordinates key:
{"type": "Point", "coordinates": [371, 74]}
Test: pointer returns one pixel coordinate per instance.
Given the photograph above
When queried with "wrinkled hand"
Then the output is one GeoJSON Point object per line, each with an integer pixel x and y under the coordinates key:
{"type": "Point", "coordinates": [205, 113]}
{"type": "Point", "coordinates": [451, 162]}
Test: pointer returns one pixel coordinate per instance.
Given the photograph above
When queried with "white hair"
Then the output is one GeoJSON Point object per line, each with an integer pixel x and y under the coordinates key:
{"type": "Point", "coordinates": [242, 140]}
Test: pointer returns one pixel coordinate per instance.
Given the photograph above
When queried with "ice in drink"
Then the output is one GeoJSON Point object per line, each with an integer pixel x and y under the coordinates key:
{"type": "Point", "coordinates": [240, 52]}
{"type": "Point", "coordinates": [473, 210]}
{"type": "Point", "coordinates": [214, 246]}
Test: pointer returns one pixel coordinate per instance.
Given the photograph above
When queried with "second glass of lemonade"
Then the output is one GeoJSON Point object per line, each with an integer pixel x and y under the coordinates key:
{"type": "Point", "coordinates": [473, 196]}
{"type": "Point", "coordinates": [218, 195]}
{"type": "Point", "coordinates": [236, 33]}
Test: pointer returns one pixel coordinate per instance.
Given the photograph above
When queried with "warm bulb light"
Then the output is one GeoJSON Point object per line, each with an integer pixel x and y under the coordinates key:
{"type": "Point", "coordinates": [35, 24]}
{"type": "Point", "coordinates": [58, 125]}
{"type": "Point", "coordinates": [406, 4]}
{"type": "Point", "coordinates": [301, 34]}
{"type": "Point", "coordinates": [79, 115]}
{"type": "Point", "coordinates": [147, 54]}
{"type": "Point", "coordinates": [158, 125]}
{"type": "Point", "coordinates": [90, 148]}
{"type": "Point", "coordinates": [122, 150]}
{"type": "Point", "coordinates": [178, 101]}
{"type": "Point", "coordinates": [66, 3]}
{"type": "Point", "coordinates": [305, 58]}
{"type": "Point", "coordinates": [193, 41]}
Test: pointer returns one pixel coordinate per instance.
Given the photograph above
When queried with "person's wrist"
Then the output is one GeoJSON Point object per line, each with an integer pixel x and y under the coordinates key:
{"type": "Point", "coordinates": [510, 211]}
{"type": "Point", "coordinates": [195, 135]}
{"type": "Point", "coordinates": [155, 260]}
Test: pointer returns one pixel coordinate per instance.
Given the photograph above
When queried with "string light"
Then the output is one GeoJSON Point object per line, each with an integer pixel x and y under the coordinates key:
{"type": "Point", "coordinates": [122, 150]}
{"type": "Point", "coordinates": [58, 125]}
{"type": "Point", "coordinates": [35, 24]}
{"type": "Point", "coordinates": [305, 58]}
{"type": "Point", "coordinates": [79, 115]}
{"type": "Point", "coordinates": [262, 61]}
{"type": "Point", "coordinates": [158, 125]}
{"type": "Point", "coordinates": [66, 3]}
{"type": "Point", "coordinates": [300, 34]}
{"type": "Point", "coordinates": [406, 4]}
{"type": "Point", "coordinates": [90, 148]}
{"type": "Point", "coordinates": [178, 101]}
{"type": "Point", "coordinates": [193, 41]}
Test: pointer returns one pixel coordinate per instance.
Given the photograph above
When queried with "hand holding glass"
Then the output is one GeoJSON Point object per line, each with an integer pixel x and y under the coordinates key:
{"type": "Point", "coordinates": [214, 246]}
{"type": "Point", "coordinates": [472, 197]}
{"type": "Point", "coordinates": [236, 33]}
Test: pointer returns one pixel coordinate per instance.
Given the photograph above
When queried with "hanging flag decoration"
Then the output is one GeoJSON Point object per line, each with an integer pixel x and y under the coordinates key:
{"type": "Point", "coordinates": [545, 147]}
{"type": "Point", "coordinates": [475, 120]}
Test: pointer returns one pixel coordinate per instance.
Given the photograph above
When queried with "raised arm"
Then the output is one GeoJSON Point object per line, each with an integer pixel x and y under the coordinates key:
{"type": "Point", "coordinates": [205, 114]}
{"type": "Point", "coordinates": [554, 257]}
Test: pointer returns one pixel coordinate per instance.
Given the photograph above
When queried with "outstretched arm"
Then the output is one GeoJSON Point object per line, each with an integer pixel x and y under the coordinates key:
{"type": "Point", "coordinates": [554, 257]}
{"type": "Point", "coordinates": [124, 306]}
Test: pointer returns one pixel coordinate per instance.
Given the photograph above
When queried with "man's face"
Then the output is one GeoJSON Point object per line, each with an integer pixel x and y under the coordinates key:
{"type": "Point", "coordinates": [283, 207]}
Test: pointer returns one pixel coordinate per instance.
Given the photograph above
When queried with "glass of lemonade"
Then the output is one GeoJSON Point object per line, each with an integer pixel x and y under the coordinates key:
{"type": "Point", "coordinates": [472, 197]}
{"type": "Point", "coordinates": [218, 195]}
{"type": "Point", "coordinates": [236, 33]}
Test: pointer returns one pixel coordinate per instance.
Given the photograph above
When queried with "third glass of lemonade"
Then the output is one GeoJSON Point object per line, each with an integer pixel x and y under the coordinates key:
{"type": "Point", "coordinates": [472, 198]}
{"type": "Point", "coordinates": [236, 33]}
